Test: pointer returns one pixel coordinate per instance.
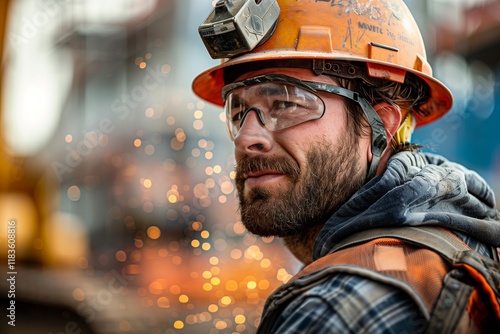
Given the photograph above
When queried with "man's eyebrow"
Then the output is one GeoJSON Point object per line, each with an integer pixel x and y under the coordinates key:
{"type": "Point", "coordinates": [236, 100]}
{"type": "Point", "coordinates": [272, 90]}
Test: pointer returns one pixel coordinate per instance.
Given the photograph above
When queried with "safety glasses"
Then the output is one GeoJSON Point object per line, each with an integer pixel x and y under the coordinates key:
{"type": "Point", "coordinates": [279, 101]}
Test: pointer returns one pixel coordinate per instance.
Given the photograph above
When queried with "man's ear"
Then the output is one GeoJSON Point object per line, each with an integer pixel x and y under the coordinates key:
{"type": "Point", "coordinates": [390, 116]}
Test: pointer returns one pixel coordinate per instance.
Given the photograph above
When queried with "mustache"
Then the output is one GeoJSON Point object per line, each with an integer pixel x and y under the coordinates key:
{"type": "Point", "coordinates": [282, 165]}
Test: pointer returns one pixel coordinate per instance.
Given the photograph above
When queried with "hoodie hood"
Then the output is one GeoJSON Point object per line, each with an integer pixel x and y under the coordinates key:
{"type": "Point", "coordinates": [417, 189]}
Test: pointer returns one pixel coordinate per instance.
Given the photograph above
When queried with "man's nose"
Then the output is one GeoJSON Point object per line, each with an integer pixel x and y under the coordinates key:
{"type": "Point", "coordinates": [257, 111]}
{"type": "Point", "coordinates": [253, 136]}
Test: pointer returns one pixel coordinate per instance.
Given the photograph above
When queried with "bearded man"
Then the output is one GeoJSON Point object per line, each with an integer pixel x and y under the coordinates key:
{"type": "Point", "coordinates": [321, 110]}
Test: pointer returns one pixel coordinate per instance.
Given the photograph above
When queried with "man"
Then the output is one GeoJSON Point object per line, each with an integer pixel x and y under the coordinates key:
{"type": "Point", "coordinates": [321, 109]}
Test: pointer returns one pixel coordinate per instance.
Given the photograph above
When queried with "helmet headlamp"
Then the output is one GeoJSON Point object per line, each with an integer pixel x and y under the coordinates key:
{"type": "Point", "coordinates": [238, 26]}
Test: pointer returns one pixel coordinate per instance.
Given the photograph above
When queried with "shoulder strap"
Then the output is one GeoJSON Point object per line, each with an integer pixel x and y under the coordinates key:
{"type": "Point", "coordinates": [435, 238]}
{"type": "Point", "coordinates": [485, 272]}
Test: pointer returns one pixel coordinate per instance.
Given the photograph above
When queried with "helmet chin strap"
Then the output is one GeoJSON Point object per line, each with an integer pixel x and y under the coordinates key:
{"type": "Point", "coordinates": [378, 137]}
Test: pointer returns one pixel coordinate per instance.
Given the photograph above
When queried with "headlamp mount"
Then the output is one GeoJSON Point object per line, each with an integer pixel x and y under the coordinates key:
{"type": "Point", "coordinates": [238, 26]}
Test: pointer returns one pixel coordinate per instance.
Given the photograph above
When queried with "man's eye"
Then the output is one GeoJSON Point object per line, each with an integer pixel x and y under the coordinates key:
{"type": "Point", "coordinates": [236, 118]}
{"type": "Point", "coordinates": [283, 105]}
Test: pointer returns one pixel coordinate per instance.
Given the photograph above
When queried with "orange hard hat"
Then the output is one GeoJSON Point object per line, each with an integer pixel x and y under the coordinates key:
{"type": "Point", "coordinates": [379, 33]}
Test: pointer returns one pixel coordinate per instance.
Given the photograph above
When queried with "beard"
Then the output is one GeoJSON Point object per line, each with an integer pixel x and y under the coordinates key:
{"type": "Point", "coordinates": [332, 176]}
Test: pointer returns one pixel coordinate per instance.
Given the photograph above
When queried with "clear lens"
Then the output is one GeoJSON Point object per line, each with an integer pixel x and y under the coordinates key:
{"type": "Point", "coordinates": [279, 105]}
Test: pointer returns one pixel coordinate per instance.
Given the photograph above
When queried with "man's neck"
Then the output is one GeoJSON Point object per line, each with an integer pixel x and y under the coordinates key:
{"type": "Point", "coordinates": [301, 245]}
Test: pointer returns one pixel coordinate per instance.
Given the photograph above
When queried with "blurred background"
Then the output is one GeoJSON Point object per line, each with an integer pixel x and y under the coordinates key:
{"type": "Point", "coordinates": [119, 179]}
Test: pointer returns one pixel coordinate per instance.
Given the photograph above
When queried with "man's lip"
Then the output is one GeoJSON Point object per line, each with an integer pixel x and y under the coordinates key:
{"type": "Point", "coordinates": [262, 178]}
{"type": "Point", "coordinates": [261, 173]}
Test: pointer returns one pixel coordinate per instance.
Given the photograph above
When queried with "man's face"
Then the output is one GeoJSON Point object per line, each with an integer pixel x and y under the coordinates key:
{"type": "Point", "coordinates": [293, 179]}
